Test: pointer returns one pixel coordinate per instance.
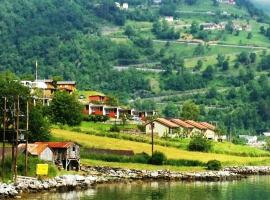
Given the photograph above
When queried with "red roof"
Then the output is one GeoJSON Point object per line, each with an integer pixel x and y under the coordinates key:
{"type": "Point", "coordinates": [207, 125]}
{"type": "Point", "coordinates": [62, 145]}
{"type": "Point", "coordinates": [181, 123]}
{"type": "Point", "coordinates": [34, 149]}
{"type": "Point", "coordinates": [196, 124]}
{"type": "Point", "coordinates": [167, 123]}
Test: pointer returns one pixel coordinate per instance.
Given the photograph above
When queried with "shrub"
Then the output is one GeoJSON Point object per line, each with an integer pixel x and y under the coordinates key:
{"type": "Point", "coordinates": [141, 158]}
{"type": "Point", "coordinates": [158, 158]}
{"type": "Point", "coordinates": [115, 128]}
{"type": "Point", "coordinates": [199, 143]}
{"type": "Point", "coordinates": [240, 141]}
{"type": "Point", "coordinates": [141, 127]}
{"type": "Point", "coordinates": [97, 118]}
{"type": "Point", "coordinates": [182, 162]}
{"type": "Point", "coordinates": [213, 165]}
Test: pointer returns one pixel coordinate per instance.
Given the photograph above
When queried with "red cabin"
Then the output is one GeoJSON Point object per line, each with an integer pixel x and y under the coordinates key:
{"type": "Point", "coordinates": [98, 99]}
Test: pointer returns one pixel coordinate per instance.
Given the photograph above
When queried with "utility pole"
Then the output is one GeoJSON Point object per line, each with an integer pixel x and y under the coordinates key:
{"type": "Point", "coordinates": [36, 70]}
{"type": "Point", "coordinates": [152, 136]}
{"type": "Point", "coordinates": [4, 138]}
{"type": "Point", "coordinates": [26, 139]}
{"type": "Point", "coordinates": [13, 138]}
{"type": "Point", "coordinates": [17, 136]}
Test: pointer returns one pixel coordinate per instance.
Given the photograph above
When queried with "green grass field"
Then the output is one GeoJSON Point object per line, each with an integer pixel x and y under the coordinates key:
{"type": "Point", "coordinates": [172, 153]}
{"type": "Point", "coordinates": [102, 129]}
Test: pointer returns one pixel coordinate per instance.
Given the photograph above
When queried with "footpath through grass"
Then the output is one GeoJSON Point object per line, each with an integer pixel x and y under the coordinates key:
{"type": "Point", "coordinates": [89, 141]}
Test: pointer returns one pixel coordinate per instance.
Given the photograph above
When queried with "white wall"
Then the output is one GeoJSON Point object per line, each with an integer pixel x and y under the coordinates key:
{"type": "Point", "coordinates": [47, 155]}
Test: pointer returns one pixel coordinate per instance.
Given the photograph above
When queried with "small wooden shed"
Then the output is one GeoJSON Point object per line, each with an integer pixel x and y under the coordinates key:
{"type": "Point", "coordinates": [66, 154]}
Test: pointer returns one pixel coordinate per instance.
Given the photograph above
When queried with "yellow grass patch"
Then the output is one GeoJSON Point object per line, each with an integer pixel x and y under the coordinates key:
{"type": "Point", "coordinates": [170, 152]}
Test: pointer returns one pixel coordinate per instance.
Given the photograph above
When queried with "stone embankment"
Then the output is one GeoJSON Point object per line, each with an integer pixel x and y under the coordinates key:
{"type": "Point", "coordinates": [97, 175]}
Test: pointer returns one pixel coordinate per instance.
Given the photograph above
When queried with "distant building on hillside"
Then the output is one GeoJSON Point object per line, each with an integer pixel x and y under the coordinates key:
{"type": "Point", "coordinates": [230, 2]}
{"type": "Point", "coordinates": [43, 90]}
{"type": "Point", "coordinates": [169, 19]}
{"type": "Point", "coordinates": [68, 86]}
{"type": "Point", "coordinates": [157, 1]}
{"type": "Point", "coordinates": [125, 6]}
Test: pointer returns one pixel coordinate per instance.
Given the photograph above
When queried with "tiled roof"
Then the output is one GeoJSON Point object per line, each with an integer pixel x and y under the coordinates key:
{"type": "Point", "coordinates": [196, 124]}
{"type": "Point", "coordinates": [66, 83]}
{"type": "Point", "coordinates": [181, 123]}
{"type": "Point", "coordinates": [62, 145]}
{"type": "Point", "coordinates": [34, 149]}
{"type": "Point", "coordinates": [207, 125]}
{"type": "Point", "coordinates": [167, 123]}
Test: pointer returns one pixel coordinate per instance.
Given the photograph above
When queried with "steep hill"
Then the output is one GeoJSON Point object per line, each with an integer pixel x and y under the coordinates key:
{"type": "Point", "coordinates": [176, 47]}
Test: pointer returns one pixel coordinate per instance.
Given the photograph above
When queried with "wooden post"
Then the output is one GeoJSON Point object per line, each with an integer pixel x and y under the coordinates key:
{"type": "Point", "coordinates": [152, 136]}
{"type": "Point", "coordinates": [13, 138]}
{"type": "Point", "coordinates": [17, 136]}
{"type": "Point", "coordinates": [4, 138]}
{"type": "Point", "coordinates": [26, 139]}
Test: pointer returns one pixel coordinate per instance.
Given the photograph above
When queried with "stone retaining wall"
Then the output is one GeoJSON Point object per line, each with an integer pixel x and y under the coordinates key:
{"type": "Point", "coordinates": [97, 175]}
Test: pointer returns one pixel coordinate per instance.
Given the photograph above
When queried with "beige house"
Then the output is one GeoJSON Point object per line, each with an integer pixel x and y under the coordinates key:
{"type": "Point", "coordinates": [185, 128]}
{"type": "Point", "coordinates": [163, 128]}
{"type": "Point", "coordinates": [204, 128]}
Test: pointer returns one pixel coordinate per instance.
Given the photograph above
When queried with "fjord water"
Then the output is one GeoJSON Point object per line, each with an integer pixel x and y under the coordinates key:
{"type": "Point", "coordinates": [252, 188]}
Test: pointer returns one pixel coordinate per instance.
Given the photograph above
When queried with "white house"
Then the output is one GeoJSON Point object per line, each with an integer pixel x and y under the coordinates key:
{"type": "Point", "coordinates": [125, 6]}
{"type": "Point", "coordinates": [250, 139]}
{"type": "Point", "coordinates": [169, 19]}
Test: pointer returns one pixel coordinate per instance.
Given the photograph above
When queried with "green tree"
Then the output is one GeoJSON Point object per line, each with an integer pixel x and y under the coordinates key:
{"type": "Point", "coordinates": [171, 110]}
{"type": "Point", "coordinates": [65, 109]}
{"type": "Point", "coordinates": [39, 126]}
{"type": "Point", "coordinates": [199, 65]}
{"type": "Point", "coordinates": [190, 111]}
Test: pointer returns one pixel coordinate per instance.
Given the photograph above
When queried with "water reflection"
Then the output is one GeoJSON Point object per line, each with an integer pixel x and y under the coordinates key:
{"type": "Point", "coordinates": [253, 188]}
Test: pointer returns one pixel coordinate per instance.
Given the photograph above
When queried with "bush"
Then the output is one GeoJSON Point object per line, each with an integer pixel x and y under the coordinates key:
{"type": "Point", "coordinates": [141, 158]}
{"type": "Point", "coordinates": [158, 158]}
{"type": "Point", "coordinates": [213, 165]}
{"type": "Point", "coordinates": [239, 141]}
{"type": "Point", "coordinates": [115, 128]}
{"type": "Point", "coordinates": [96, 118]}
{"type": "Point", "coordinates": [182, 162]}
{"type": "Point", "coordinates": [199, 143]}
{"type": "Point", "coordinates": [141, 127]}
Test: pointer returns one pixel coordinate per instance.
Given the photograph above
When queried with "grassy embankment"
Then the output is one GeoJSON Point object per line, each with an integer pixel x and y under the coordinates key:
{"type": "Point", "coordinates": [101, 129]}
{"type": "Point", "coordinates": [260, 157]}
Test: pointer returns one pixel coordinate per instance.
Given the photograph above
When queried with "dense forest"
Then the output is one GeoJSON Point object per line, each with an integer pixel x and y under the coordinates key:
{"type": "Point", "coordinates": [68, 41]}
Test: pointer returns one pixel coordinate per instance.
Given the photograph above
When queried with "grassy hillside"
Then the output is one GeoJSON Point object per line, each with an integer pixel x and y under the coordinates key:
{"type": "Point", "coordinates": [84, 41]}
{"type": "Point", "coordinates": [111, 143]}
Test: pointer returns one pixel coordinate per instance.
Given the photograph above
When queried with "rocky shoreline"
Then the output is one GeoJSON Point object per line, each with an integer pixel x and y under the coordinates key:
{"type": "Point", "coordinates": [98, 175]}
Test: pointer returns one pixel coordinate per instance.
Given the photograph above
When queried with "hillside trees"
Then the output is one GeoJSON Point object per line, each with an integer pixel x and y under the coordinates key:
{"type": "Point", "coordinates": [163, 31]}
{"type": "Point", "coordinates": [190, 111]}
{"type": "Point", "coordinates": [65, 109]}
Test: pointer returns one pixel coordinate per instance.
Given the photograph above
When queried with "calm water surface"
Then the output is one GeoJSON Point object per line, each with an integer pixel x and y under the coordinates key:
{"type": "Point", "coordinates": [253, 188]}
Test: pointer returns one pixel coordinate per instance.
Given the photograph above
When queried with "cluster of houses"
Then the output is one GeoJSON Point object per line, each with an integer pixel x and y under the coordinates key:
{"type": "Point", "coordinates": [98, 104]}
{"type": "Point", "coordinates": [182, 128]}
{"type": "Point", "coordinates": [214, 26]}
{"type": "Point", "coordinates": [43, 90]}
{"type": "Point", "coordinates": [237, 26]}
